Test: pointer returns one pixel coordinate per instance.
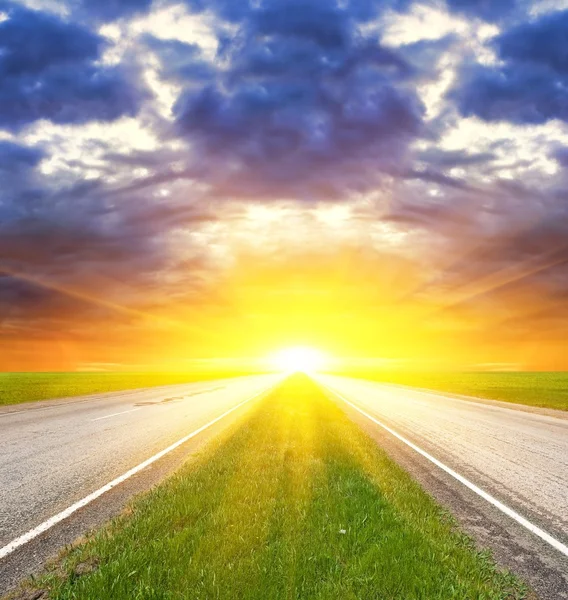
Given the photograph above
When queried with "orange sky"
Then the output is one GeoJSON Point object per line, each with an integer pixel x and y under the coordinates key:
{"type": "Point", "coordinates": [348, 301]}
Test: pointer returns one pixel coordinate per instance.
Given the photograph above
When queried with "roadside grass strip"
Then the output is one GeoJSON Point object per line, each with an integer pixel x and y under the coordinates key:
{"type": "Point", "coordinates": [542, 389]}
{"type": "Point", "coordinates": [293, 501]}
{"type": "Point", "coordinates": [16, 388]}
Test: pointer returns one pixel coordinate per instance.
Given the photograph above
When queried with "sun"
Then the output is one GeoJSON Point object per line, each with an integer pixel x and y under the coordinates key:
{"type": "Point", "coordinates": [298, 358]}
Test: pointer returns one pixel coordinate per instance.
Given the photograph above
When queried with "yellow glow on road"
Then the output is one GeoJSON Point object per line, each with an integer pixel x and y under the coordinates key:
{"type": "Point", "coordinates": [299, 358]}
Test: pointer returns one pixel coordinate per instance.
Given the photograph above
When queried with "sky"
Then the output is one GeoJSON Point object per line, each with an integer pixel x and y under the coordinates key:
{"type": "Point", "coordinates": [386, 180]}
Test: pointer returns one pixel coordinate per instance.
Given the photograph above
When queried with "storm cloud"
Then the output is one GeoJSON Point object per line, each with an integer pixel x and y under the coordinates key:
{"type": "Point", "coordinates": [110, 10]}
{"type": "Point", "coordinates": [302, 97]}
{"type": "Point", "coordinates": [531, 84]}
{"type": "Point", "coordinates": [55, 74]}
{"type": "Point", "coordinates": [485, 9]}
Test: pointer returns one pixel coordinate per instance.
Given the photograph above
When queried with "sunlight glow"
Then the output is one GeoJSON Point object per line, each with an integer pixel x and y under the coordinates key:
{"type": "Point", "coordinates": [299, 358]}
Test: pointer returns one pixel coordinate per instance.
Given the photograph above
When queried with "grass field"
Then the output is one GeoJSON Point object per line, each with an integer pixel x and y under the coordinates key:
{"type": "Point", "coordinates": [292, 502]}
{"type": "Point", "coordinates": [547, 390]}
{"type": "Point", "coordinates": [29, 387]}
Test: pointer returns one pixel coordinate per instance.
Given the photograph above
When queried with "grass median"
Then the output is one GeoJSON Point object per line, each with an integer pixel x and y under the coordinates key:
{"type": "Point", "coordinates": [292, 502]}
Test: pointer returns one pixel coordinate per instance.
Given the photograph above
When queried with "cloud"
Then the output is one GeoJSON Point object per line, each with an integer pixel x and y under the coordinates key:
{"type": "Point", "coordinates": [72, 258]}
{"type": "Point", "coordinates": [561, 155]}
{"type": "Point", "coordinates": [516, 93]}
{"type": "Point", "coordinates": [49, 42]}
{"type": "Point", "coordinates": [110, 10]}
{"type": "Point", "coordinates": [18, 180]}
{"type": "Point", "coordinates": [455, 158]}
{"type": "Point", "coordinates": [179, 60]}
{"type": "Point", "coordinates": [14, 157]}
{"type": "Point", "coordinates": [238, 10]}
{"type": "Point", "coordinates": [302, 98]}
{"type": "Point", "coordinates": [542, 42]}
{"type": "Point", "coordinates": [530, 85]}
{"type": "Point", "coordinates": [490, 10]}
{"type": "Point", "coordinates": [55, 75]}
{"type": "Point", "coordinates": [432, 176]}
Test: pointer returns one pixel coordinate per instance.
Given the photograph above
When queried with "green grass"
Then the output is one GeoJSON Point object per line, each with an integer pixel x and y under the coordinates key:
{"type": "Point", "coordinates": [292, 502]}
{"type": "Point", "coordinates": [544, 389]}
{"type": "Point", "coordinates": [29, 387]}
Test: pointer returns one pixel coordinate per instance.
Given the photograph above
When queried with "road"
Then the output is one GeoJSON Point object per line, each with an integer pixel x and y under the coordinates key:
{"type": "Point", "coordinates": [518, 458]}
{"type": "Point", "coordinates": [55, 453]}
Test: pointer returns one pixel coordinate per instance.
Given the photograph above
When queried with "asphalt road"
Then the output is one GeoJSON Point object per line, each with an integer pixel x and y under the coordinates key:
{"type": "Point", "coordinates": [520, 458]}
{"type": "Point", "coordinates": [53, 454]}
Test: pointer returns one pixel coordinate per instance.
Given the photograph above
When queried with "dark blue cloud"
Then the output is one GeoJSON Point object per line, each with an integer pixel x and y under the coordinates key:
{"type": "Point", "coordinates": [110, 10]}
{"type": "Point", "coordinates": [531, 84]}
{"type": "Point", "coordinates": [229, 10]}
{"type": "Point", "coordinates": [543, 42]}
{"type": "Point", "coordinates": [75, 96]}
{"type": "Point", "coordinates": [239, 10]}
{"type": "Point", "coordinates": [489, 10]}
{"type": "Point", "coordinates": [318, 22]}
{"type": "Point", "coordinates": [32, 41]}
{"type": "Point", "coordinates": [302, 96]}
{"type": "Point", "coordinates": [180, 60]}
{"type": "Point", "coordinates": [561, 155]}
{"type": "Point", "coordinates": [18, 179]}
{"type": "Point", "coordinates": [516, 93]}
{"type": "Point", "coordinates": [14, 157]}
{"type": "Point", "coordinates": [54, 74]}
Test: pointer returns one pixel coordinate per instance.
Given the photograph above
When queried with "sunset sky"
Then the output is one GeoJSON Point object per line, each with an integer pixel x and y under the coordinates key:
{"type": "Point", "coordinates": [385, 180]}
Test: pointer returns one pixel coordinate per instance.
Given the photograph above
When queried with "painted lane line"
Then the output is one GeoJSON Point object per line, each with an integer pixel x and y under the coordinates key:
{"type": "Point", "coordinates": [116, 414]}
{"type": "Point", "coordinates": [558, 545]}
{"type": "Point", "coordinates": [36, 531]}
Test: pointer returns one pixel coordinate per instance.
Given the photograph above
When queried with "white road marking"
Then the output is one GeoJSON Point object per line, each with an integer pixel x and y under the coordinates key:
{"type": "Point", "coordinates": [115, 414]}
{"type": "Point", "coordinates": [36, 531]}
{"type": "Point", "coordinates": [558, 545]}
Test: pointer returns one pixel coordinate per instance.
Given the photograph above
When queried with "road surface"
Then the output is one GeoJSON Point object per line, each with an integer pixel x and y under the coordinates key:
{"type": "Point", "coordinates": [518, 458]}
{"type": "Point", "coordinates": [53, 454]}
